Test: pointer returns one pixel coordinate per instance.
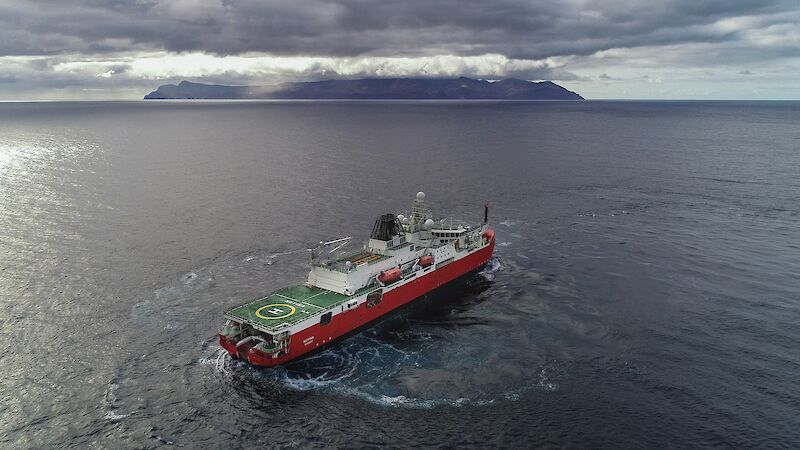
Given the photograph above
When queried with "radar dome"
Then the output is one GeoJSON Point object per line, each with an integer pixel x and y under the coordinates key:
{"type": "Point", "coordinates": [429, 224]}
{"type": "Point", "coordinates": [400, 217]}
{"type": "Point", "coordinates": [420, 195]}
{"type": "Point", "coordinates": [348, 265]}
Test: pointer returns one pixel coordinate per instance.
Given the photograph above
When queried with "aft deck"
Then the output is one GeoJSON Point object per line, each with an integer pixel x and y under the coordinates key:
{"type": "Point", "coordinates": [355, 259]}
{"type": "Point", "coordinates": [286, 307]}
{"type": "Point", "coordinates": [363, 257]}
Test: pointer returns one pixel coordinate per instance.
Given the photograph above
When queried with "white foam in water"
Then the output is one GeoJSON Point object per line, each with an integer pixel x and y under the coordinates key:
{"type": "Point", "coordinates": [487, 273]}
{"type": "Point", "coordinates": [363, 368]}
{"type": "Point", "coordinates": [492, 266]}
{"type": "Point", "coordinates": [220, 361]}
{"type": "Point", "coordinates": [217, 357]}
{"type": "Point", "coordinates": [113, 416]}
{"type": "Point", "coordinates": [110, 400]}
{"type": "Point", "coordinates": [544, 383]}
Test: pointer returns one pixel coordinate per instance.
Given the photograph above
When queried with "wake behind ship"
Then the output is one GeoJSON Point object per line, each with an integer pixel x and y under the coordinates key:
{"type": "Point", "coordinates": [405, 258]}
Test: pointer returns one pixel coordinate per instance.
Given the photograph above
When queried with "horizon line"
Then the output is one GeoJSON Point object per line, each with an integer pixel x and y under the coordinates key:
{"type": "Point", "coordinates": [267, 100]}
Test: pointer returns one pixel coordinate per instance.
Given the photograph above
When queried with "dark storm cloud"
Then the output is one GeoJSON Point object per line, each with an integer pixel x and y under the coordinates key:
{"type": "Point", "coordinates": [516, 29]}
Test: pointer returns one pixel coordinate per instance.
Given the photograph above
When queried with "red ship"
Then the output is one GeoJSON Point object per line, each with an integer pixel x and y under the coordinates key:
{"type": "Point", "coordinates": [404, 259]}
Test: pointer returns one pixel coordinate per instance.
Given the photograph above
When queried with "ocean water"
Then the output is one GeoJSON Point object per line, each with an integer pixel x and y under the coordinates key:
{"type": "Point", "coordinates": [645, 290]}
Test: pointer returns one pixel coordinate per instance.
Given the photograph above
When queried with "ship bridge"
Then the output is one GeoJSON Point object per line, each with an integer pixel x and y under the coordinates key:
{"type": "Point", "coordinates": [387, 248]}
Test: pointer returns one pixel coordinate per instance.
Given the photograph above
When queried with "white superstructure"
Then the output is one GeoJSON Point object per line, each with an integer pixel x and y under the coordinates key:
{"type": "Point", "coordinates": [397, 242]}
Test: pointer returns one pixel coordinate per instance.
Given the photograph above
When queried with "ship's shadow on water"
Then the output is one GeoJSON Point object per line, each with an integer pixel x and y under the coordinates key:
{"type": "Point", "coordinates": [446, 307]}
{"type": "Point", "coordinates": [410, 359]}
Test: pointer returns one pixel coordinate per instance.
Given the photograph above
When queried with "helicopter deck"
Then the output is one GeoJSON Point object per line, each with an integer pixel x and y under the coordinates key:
{"type": "Point", "coordinates": [286, 307]}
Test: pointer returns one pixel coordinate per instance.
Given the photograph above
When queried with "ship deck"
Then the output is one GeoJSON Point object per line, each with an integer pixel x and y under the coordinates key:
{"type": "Point", "coordinates": [286, 306]}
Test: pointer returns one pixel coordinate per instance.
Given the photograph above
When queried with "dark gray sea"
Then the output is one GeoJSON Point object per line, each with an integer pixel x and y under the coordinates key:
{"type": "Point", "coordinates": [645, 291]}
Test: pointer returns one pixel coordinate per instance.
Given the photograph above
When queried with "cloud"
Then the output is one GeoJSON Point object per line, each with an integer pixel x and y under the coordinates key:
{"type": "Point", "coordinates": [128, 42]}
{"type": "Point", "coordinates": [518, 29]}
{"type": "Point", "coordinates": [276, 69]}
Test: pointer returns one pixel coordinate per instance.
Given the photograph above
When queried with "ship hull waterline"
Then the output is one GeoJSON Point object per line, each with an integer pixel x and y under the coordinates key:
{"type": "Point", "coordinates": [350, 322]}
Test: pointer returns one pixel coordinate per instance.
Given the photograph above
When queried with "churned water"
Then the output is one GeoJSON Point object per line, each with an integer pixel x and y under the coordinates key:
{"type": "Point", "coordinates": [645, 290]}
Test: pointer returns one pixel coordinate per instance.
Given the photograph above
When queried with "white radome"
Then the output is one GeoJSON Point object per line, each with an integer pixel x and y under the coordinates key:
{"type": "Point", "coordinates": [429, 224]}
{"type": "Point", "coordinates": [420, 195]}
{"type": "Point", "coordinates": [401, 217]}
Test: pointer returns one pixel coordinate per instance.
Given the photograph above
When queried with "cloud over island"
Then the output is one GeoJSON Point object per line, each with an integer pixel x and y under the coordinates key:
{"type": "Point", "coordinates": [118, 48]}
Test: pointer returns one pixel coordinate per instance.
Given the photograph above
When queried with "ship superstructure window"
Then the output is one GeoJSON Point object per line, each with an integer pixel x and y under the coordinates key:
{"type": "Point", "coordinates": [325, 319]}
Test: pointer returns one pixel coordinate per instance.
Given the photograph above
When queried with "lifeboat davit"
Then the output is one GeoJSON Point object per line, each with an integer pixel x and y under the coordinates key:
{"type": "Point", "coordinates": [390, 276]}
{"type": "Point", "coordinates": [425, 261]}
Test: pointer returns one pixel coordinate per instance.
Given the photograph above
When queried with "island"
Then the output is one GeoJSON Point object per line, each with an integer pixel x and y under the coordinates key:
{"type": "Point", "coordinates": [462, 88]}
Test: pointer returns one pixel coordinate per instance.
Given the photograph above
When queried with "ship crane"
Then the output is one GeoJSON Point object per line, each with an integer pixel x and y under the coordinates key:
{"type": "Point", "coordinates": [339, 243]}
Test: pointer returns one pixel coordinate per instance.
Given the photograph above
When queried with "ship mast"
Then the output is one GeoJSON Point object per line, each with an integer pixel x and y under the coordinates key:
{"type": "Point", "coordinates": [420, 212]}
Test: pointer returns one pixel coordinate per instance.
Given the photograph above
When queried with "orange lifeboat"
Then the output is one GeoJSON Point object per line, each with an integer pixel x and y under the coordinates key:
{"type": "Point", "coordinates": [390, 276]}
{"type": "Point", "coordinates": [425, 261]}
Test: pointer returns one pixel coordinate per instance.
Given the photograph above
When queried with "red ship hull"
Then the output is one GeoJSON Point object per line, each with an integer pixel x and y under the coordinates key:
{"type": "Point", "coordinates": [316, 336]}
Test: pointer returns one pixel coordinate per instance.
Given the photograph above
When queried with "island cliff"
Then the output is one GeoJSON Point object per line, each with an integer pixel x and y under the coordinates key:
{"type": "Point", "coordinates": [374, 88]}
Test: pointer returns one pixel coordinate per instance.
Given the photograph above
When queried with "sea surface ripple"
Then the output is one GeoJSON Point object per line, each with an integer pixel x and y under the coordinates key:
{"type": "Point", "coordinates": [645, 290]}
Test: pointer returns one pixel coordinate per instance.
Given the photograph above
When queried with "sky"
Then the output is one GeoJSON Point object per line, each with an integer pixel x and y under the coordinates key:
{"type": "Point", "coordinates": [611, 49]}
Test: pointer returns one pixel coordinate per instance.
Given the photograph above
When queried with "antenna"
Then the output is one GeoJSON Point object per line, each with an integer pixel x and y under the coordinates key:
{"type": "Point", "coordinates": [486, 213]}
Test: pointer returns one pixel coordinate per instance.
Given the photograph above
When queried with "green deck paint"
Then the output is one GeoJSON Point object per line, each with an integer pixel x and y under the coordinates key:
{"type": "Point", "coordinates": [287, 306]}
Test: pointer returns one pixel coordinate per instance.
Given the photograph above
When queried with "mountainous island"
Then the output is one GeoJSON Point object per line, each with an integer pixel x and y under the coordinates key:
{"type": "Point", "coordinates": [374, 88]}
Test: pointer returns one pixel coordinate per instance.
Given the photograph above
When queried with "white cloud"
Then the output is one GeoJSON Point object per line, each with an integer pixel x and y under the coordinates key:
{"type": "Point", "coordinates": [266, 68]}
